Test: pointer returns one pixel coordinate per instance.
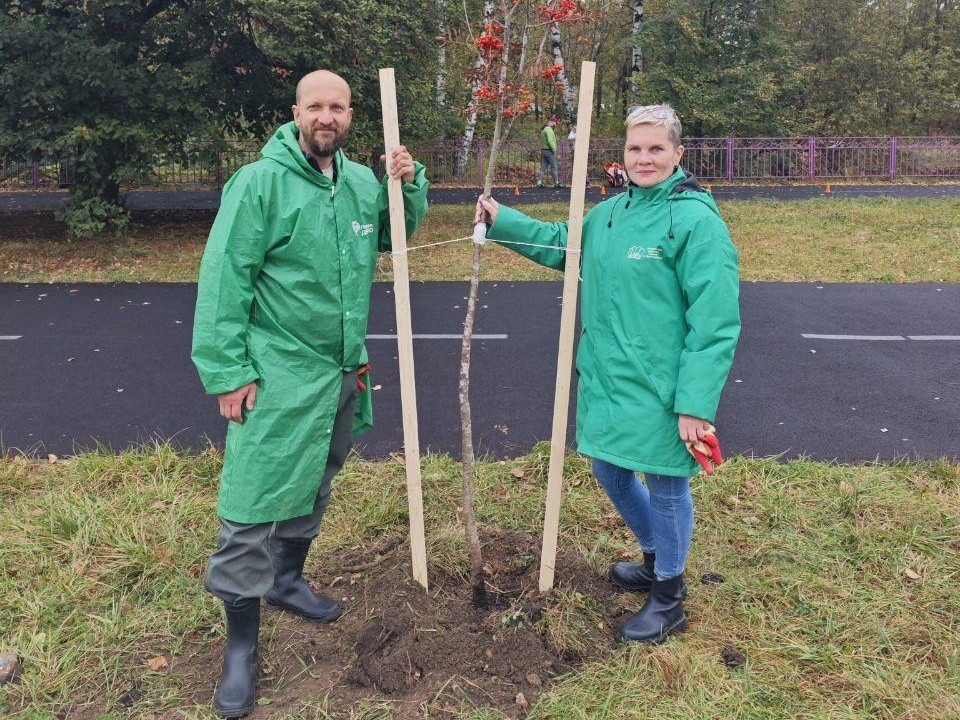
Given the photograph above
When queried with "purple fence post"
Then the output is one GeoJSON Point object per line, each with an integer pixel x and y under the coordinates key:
{"type": "Point", "coordinates": [893, 159]}
{"type": "Point", "coordinates": [812, 153]}
{"type": "Point", "coordinates": [35, 174]}
{"type": "Point", "coordinates": [729, 158]}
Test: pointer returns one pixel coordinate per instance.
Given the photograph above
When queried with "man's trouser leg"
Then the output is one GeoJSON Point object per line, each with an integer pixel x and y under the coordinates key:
{"type": "Point", "coordinates": [242, 566]}
{"type": "Point", "coordinates": [292, 538]}
{"type": "Point", "coordinates": [250, 556]}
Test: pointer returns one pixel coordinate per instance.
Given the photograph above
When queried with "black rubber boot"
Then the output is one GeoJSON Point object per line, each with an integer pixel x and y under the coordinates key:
{"type": "Point", "coordinates": [237, 690]}
{"type": "Point", "coordinates": [290, 591]}
{"type": "Point", "coordinates": [661, 616]}
{"type": "Point", "coordinates": [637, 577]}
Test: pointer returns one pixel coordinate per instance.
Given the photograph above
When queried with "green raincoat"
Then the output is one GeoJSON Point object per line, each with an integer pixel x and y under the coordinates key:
{"type": "Point", "coordinates": [283, 300]}
{"type": "Point", "coordinates": [660, 317]}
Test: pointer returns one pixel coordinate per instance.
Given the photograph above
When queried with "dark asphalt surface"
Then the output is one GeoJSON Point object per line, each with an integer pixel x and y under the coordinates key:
{"type": "Point", "coordinates": [110, 364]}
{"type": "Point", "coordinates": [145, 201]}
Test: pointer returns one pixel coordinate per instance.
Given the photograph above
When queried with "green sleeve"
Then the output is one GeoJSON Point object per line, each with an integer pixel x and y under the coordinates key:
{"type": "Point", "coordinates": [709, 274]}
{"type": "Point", "coordinates": [552, 138]}
{"type": "Point", "coordinates": [414, 205]}
{"type": "Point", "coordinates": [231, 262]}
{"type": "Point", "coordinates": [513, 226]}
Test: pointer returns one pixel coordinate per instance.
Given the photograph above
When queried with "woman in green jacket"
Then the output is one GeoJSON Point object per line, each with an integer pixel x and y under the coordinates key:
{"type": "Point", "coordinates": [660, 321]}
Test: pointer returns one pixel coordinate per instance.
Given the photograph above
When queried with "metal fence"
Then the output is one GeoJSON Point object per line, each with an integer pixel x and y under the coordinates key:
{"type": "Point", "coordinates": [712, 159]}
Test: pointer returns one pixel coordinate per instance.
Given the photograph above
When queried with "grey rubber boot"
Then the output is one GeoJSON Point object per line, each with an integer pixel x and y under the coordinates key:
{"type": "Point", "coordinates": [236, 692]}
{"type": "Point", "coordinates": [290, 591]}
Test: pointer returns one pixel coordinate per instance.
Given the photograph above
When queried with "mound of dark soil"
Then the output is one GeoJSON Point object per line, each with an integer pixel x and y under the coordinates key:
{"type": "Point", "coordinates": [400, 645]}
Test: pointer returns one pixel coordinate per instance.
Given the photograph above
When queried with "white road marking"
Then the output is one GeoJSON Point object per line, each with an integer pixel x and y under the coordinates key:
{"type": "Point", "coordinates": [439, 337]}
{"type": "Point", "coordinates": [10, 337]}
{"type": "Point", "coordinates": [810, 336]}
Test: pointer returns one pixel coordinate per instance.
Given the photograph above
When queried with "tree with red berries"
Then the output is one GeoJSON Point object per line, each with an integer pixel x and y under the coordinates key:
{"type": "Point", "coordinates": [497, 90]}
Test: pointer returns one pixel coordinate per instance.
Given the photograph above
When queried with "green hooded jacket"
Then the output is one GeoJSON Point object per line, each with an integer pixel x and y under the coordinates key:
{"type": "Point", "coordinates": [548, 138]}
{"type": "Point", "coordinates": [283, 300]}
{"type": "Point", "coordinates": [660, 317]}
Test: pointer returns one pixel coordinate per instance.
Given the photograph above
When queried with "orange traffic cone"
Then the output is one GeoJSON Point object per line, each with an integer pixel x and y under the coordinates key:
{"type": "Point", "coordinates": [603, 189]}
{"type": "Point", "coordinates": [709, 188]}
{"type": "Point", "coordinates": [827, 190]}
{"type": "Point", "coordinates": [516, 189]}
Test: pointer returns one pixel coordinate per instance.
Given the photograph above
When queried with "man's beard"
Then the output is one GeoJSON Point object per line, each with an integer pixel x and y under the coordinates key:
{"type": "Point", "coordinates": [327, 149]}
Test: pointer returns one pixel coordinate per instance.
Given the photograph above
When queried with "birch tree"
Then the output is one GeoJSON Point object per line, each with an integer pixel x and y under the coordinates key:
{"type": "Point", "coordinates": [556, 12]}
{"type": "Point", "coordinates": [441, 53]}
{"type": "Point", "coordinates": [636, 61]}
{"type": "Point", "coordinates": [481, 66]}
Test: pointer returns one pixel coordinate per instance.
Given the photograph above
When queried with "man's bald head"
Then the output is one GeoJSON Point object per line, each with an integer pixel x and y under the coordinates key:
{"type": "Point", "coordinates": [324, 80]}
{"type": "Point", "coordinates": [322, 114]}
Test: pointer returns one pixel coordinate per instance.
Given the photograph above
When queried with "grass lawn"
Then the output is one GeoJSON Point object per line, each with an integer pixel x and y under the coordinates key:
{"type": "Point", "coordinates": [842, 583]}
{"type": "Point", "coordinates": [842, 586]}
{"type": "Point", "coordinates": [821, 240]}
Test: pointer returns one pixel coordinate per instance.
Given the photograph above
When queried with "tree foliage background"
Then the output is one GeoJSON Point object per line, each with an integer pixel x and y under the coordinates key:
{"type": "Point", "coordinates": [111, 82]}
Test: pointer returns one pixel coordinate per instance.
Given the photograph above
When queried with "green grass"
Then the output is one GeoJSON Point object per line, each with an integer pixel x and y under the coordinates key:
{"type": "Point", "coordinates": [821, 240]}
{"type": "Point", "coordinates": [842, 584]}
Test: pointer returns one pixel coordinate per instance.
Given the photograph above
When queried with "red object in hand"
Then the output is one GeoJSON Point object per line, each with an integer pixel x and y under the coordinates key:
{"type": "Point", "coordinates": [706, 451]}
{"type": "Point", "coordinates": [361, 371]}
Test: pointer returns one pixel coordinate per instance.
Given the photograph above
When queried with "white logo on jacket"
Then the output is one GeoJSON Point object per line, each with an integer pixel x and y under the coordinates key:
{"type": "Point", "coordinates": [362, 230]}
{"type": "Point", "coordinates": [644, 253]}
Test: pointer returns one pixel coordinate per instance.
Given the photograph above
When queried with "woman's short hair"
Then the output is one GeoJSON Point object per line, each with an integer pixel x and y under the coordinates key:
{"type": "Point", "coordinates": [662, 115]}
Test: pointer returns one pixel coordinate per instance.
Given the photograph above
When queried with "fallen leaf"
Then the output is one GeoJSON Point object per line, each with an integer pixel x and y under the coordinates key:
{"type": "Point", "coordinates": [158, 663]}
{"type": "Point", "coordinates": [912, 574]}
{"type": "Point", "coordinates": [52, 458]}
{"type": "Point", "coordinates": [521, 700]}
{"type": "Point", "coordinates": [517, 472]}
{"type": "Point", "coordinates": [732, 657]}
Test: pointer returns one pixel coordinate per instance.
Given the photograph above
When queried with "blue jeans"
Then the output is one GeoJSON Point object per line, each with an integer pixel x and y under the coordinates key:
{"type": "Point", "coordinates": [659, 514]}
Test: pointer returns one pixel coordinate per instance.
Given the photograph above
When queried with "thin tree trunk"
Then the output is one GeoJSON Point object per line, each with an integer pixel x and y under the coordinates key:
{"type": "Point", "coordinates": [470, 127]}
{"type": "Point", "coordinates": [441, 53]}
{"type": "Point", "coordinates": [467, 456]}
{"type": "Point", "coordinates": [562, 79]}
{"type": "Point", "coordinates": [636, 62]}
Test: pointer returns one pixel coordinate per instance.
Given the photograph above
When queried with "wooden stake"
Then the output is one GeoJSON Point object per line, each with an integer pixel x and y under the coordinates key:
{"type": "Point", "coordinates": [571, 278]}
{"type": "Point", "coordinates": [401, 293]}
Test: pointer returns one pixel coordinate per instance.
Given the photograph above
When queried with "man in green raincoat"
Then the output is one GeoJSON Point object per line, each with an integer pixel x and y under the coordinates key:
{"type": "Point", "coordinates": [281, 317]}
{"type": "Point", "coordinates": [660, 322]}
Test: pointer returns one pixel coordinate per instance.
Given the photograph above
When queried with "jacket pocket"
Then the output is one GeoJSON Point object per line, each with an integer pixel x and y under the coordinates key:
{"type": "Point", "coordinates": [665, 390]}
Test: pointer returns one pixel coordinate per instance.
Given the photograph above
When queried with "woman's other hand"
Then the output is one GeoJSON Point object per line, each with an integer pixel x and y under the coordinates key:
{"type": "Point", "coordinates": [692, 429]}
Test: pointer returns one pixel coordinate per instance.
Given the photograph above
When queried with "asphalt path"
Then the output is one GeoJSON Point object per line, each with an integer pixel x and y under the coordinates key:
{"type": "Point", "coordinates": [160, 201]}
{"type": "Point", "coordinates": [109, 364]}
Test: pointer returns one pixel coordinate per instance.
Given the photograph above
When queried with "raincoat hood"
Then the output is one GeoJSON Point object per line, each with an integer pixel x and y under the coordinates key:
{"type": "Point", "coordinates": [284, 148]}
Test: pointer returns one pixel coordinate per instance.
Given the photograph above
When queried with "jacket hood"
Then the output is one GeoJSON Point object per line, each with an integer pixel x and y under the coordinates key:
{"type": "Point", "coordinates": [284, 148]}
{"type": "Point", "coordinates": [689, 188]}
{"type": "Point", "coordinates": [679, 186]}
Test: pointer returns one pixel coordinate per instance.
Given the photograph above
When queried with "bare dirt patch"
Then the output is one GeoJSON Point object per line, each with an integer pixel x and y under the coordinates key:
{"type": "Point", "coordinates": [398, 645]}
